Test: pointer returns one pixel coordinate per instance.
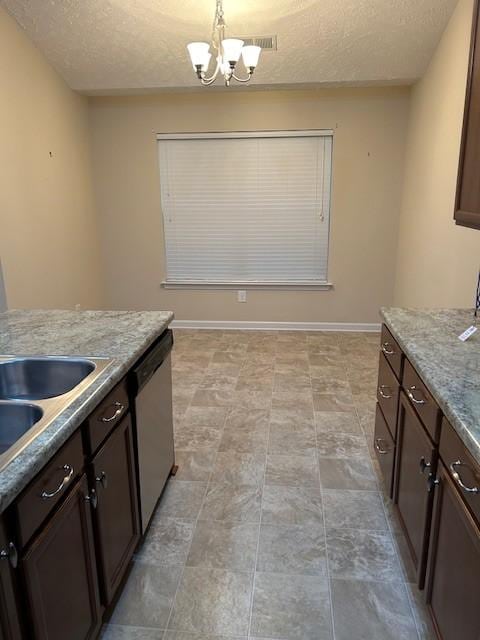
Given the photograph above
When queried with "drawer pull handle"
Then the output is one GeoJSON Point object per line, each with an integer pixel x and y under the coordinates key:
{"type": "Point", "coordinates": [381, 391]}
{"type": "Point", "coordinates": [380, 450]}
{"type": "Point", "coordinates": [68, 476]}
{"type": "Point", "coordinates": [424, 464]}
{"type": "Point", "coordinates": [118, 411]}
{"type": "Point", "coordinates": [10, 554]}
{"type": "Point", "coordinates": [410, 394]}
{"type": "Point", "coordinates": [102, 479]}
{"type": "Point", "coordinates": [458, 479]}
{"type": "Point", "coordinates": [387, 349]}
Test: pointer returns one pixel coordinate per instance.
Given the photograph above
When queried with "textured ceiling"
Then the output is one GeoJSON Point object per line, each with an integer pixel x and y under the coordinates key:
{"type": "Point", "coordinates": [108, 46]}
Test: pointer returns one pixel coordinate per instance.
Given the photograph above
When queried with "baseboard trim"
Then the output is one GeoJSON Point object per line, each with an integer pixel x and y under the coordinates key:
{"type": "Point", "coordinates": [275, 326]}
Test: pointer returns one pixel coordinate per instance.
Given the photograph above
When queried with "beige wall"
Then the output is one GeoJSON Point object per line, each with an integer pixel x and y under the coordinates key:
{"type": "Point", "coordinates": [370, 128]}
{"type": "Point", "coordinates": [48, 232]}
{"type": "Point", "coordinates": [437, 261]}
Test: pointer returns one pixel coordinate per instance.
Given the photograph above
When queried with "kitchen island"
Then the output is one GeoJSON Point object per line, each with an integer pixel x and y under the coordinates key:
{"type": "Point", "coordinates": [121, 335]}
{"type": "Point", "coordinates": [427, 441]}
{"type": "Point", "coordinates": [70, 497]}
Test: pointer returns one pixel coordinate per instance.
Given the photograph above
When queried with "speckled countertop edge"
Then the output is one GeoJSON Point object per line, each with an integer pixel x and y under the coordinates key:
{"type": "Point", "coordinates": [449, 368]}
{"type": "Point", "coordinates": [27, 333]}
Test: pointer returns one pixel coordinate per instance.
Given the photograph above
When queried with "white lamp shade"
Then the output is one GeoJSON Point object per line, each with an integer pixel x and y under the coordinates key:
{"type": "Point", "coordinates": [199, 54]}
{"type": "Point", "coordinates": [232, 48]}
{"type": "Point", "coordinates": [206, 62]}
{"type": "Point", "coordinates": [250, 55]}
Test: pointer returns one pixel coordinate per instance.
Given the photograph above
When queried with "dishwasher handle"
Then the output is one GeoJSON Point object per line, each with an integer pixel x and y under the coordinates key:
{"type": "Point", "coordinates": [154, 359]}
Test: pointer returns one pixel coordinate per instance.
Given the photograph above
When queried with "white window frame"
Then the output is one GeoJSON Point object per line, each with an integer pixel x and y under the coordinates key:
{"type": "Point", "coordinates": [286, 286]}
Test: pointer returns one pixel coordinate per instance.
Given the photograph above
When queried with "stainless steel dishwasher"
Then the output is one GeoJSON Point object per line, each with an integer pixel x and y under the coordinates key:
{"type": "Point", "coordinates": [151, 387]}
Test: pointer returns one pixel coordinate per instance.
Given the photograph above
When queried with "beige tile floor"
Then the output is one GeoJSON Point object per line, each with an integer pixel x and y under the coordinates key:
{"type": "Point", "coordinates": [275, 525]}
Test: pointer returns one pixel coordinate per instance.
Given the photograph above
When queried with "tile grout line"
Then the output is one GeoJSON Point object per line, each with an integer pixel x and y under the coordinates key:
{"type": "Point", "coordinates": [317, 457]}
{"type": "Point", "coordinates": [249, 630]}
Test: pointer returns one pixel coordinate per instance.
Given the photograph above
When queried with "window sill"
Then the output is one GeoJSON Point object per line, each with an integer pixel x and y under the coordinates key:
{"type": "Point", "coordinates": [262, 286]}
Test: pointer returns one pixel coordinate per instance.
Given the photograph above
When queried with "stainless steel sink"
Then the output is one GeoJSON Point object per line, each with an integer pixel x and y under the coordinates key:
{"type": "Point", "coordinates": [34, 391]}
{"type": "Point", "coordinates": [41, 378]}
{"type": "Point", "coordinates": [16, 418]}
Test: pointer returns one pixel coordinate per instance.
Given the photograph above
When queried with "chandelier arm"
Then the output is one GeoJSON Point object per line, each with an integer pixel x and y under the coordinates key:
{"type": "Point", "coordinates": [213, 77]}
{"type": "Point", "coordinates": [206, 82]}
{"type": "Point", "coordinates": [247, 79]}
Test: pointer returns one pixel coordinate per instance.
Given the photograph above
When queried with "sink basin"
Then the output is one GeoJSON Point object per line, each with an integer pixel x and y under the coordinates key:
{"type": "Point", "coordinates": [41, 378]}
{"type": "Point", "coordinates": [16, 418]}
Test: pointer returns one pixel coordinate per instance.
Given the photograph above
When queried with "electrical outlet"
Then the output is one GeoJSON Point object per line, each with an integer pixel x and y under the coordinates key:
{"type": "Point", "coordinates": [78, 307]}
{"type": "Point", "coordinates": [241, 296]}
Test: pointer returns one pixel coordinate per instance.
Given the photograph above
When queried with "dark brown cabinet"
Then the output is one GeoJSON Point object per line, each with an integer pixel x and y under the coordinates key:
{"type": "Point", "coordinates": [116, 515]}
{"type": "Point", "coordinates": [10, 628]}
{"type": "Point", "coordinates": [453, 596]}
{"type": "Point", "coordinates": [60, 573]}
{"type": "Point", "coordinates": [415, 463]}
{"type": "Point", "coordinates": [467, 202]}
{"type": "Point", "coordinates": [72, 531]}
{"type": "Point", "coordinates": [386, 417]}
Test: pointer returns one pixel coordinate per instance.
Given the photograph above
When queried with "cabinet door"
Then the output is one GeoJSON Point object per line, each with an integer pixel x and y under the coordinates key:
{"type": "Point", "coordinates": [116, 516]}
{"type": "Point", "coordinates": [467, 205]}
{"type": "Point", "coordinates": [453, 595]}
{"type": "Point", "coordinates": [60, 573]}
{"type": "Point", "coordinates": [416, 458]}
{"type": "Point", "coordinates": [9, 610]}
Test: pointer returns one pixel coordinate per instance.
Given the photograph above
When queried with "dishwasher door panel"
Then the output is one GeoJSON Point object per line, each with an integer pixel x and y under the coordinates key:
{"type": "Point", "coordinates": [153, 407]}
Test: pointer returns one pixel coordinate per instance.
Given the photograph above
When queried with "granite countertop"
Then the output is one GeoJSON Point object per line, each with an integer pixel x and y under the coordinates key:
{"type": "Point", "coordinates": [450, 368]}
{"type": "Point", "coordinates": [120, 335]}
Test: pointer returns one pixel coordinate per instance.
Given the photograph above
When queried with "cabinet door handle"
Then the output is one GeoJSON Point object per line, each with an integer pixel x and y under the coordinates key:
{"type": "Point", "coordinates": [92, 498]}
{"type": "Point", "coordinates": [410, 393]}
{"type": "Point", "coordinates": [384, 395]}
{"type": "Point", "coordinates": [10, 554]}
{"type": "Point", "coordinates": [102, 479]}
{"type": "Point", "coordinates": [68, 476]}
{"type": "Point", "coordinates": [386, 350]}
{"type": "Point", "coordinates": [458, 479]}
{"type": "Point", "coordinates": [380, 450]}
{"type": "Point", "coordinates": [118, 411]}
{"type": "Point", "coordinates": [424, 464]}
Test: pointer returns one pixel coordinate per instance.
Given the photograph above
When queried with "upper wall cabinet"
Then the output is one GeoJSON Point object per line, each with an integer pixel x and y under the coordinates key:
{"type": "Point", "coordinates": [467, 203]}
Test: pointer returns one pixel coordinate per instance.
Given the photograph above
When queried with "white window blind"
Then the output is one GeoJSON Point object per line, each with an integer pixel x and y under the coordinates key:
{"type": "Point", "coordinates": [246, 208]}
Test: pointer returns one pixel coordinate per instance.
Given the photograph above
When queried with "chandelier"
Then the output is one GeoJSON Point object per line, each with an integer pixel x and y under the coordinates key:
{"type": "Point", "coordinates": [227, 52]}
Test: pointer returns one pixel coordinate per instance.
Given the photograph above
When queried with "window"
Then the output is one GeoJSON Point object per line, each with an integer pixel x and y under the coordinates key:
{"type": "Point", "coordinates": [246, 208]}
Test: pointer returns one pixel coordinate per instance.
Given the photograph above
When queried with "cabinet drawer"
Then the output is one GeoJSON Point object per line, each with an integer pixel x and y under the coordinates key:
{"type": "Point", "coordinates": [106, 416]}
{"type": "Point", "coordinates": [384, 448]}
{"type": "Point", "coordinates": [461, 466]}
{"type": "Point", "coordinates": [48, 488]}
{"type": "Point", "coordinates": [422, 400]}
{"type": "Point", "coordinates": [387, 394]}
{"type": "Point", "coordinates": [392, 352]}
